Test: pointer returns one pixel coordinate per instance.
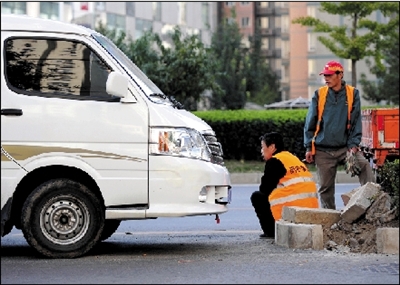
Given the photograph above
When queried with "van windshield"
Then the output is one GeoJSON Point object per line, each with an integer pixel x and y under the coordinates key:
{"type": "Point", "coordinates": [145, 83]}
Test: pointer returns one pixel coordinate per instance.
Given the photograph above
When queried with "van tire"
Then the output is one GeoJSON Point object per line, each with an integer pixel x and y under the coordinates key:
{"type": "Point", "coordinates": [61, 218]}
{"type": "Point", "coordinates": [110, 227]}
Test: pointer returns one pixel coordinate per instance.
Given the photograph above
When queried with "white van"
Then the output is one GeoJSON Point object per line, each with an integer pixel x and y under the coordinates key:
{"type": "Point", "coordinates": [87, 140]}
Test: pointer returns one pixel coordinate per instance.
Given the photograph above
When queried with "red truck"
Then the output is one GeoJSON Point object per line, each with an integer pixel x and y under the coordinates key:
{"type": "Point", "coordinates": [380, 135]}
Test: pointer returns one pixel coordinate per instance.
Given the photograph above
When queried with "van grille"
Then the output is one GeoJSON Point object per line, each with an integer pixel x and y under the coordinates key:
{"type": "Point", "coordinates": [215, 148]}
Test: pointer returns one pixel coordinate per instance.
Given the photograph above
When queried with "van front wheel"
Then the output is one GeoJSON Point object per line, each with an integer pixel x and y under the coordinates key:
{"type": "Point", "coordinates": [62, 219]}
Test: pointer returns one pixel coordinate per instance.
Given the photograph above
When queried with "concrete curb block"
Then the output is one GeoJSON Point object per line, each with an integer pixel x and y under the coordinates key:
{"type": "Point", "coordinates": [387, 240]}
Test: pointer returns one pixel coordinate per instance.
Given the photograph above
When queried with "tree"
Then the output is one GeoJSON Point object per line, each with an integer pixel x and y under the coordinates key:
{"type": "Point", "coordinates": [387, 85]}
{"type": "Point", "coordinates": [183, 72]}
{"type": "Point", "coordinates": [228, 51]}
{"type": "Point", "coordinates": [262, 82]}
{"type": "Point", "coordinates": [344, 41]}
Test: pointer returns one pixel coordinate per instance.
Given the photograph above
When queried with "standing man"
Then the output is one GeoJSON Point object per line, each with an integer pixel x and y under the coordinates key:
{"type": "Point", "coordinates": [286, 182]}
{"type": "Point", "coordinates": [333, 128]}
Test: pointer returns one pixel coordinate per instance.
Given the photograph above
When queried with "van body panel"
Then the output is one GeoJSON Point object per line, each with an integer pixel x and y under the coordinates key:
{"type": "Point", "coordinates": [68, 139]}
{"type": "Point", "coordinates": [164, 115]}
{"type": "Point", "coordinates": [192, 176]}
{"type": "Point", "coordinates": [117, 175]}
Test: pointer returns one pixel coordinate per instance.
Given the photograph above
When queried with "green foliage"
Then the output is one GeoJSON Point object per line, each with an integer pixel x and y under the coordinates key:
{"type": "Point", "coordinates": [241, 71]}
{"type": "Point", "coordinates": [389, 176]}
{"type": "Point", "coordinates": [387, 84]}
{"type": "Point", "coordinates": [262, 83]}
{"type": "Point", "coordinates": [228, 51]}
{"type": "Point", "coordinates": [246, 166]}
{"type": "Point", "coordinates": [242, 166]}
{"type": "Point", "coordinates": [232, 73]}
{"type": "Point", "coordinates": [251, 115]}
{"type": "Point", "coordinates": [184, 71]}
{"type": "Point", "coordinates": [344, 41]}
{"type": "Point", "coordinates": [239, 131]}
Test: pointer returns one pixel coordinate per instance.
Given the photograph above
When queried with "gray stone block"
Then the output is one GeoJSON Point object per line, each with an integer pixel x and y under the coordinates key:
{"type": "Point", "coordinates": [360, 201]}
{"type": "Point", "coordinates": [299, 236]}
{"type": "Point", "coordinates": [387, 240]}
{"type": "Point", "coordinates": [301, 215]}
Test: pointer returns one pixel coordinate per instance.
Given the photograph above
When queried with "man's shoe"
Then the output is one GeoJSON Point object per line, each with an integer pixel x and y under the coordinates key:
{"type": "Point", "coordinates": [266, 236]}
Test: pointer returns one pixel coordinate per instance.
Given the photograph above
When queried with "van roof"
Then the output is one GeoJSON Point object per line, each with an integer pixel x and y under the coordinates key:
{"type": "Point", "coordinates": [11, 22]}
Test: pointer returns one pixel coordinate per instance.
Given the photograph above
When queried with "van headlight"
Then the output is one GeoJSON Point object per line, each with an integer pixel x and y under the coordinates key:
{"type": "Point", "coordinates": [178, 142]}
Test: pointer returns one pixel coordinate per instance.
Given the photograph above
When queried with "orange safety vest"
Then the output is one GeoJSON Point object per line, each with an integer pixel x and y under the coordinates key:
{"type": "Point", "coordinates": [296, 188]}
{"type": "Point", "coordinates": [323, 92]}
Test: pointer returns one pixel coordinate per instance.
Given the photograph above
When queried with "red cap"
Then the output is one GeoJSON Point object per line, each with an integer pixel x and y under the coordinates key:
{"type": "Point", "coordinates": [331, 68]}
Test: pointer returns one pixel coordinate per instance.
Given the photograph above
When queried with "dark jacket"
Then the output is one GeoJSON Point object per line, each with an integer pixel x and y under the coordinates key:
{"type": "Point", "coordinates": [274, 170]}
{"type": "Point", "coordinates": [333, 132]}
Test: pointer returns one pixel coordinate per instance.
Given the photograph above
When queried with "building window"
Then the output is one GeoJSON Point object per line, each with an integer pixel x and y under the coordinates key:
{"type": "Point", "coordinates": [205, 15]}
{"type": "Point", "coordinates": [278, 43]}
{"type": "Point", "coordinates": [263, 22]}
{"type": "Point", "coordinates": [278, 66]}
{"type": "Point", "coordinates": [312, 39]}
{"type": "Point", "coordinates": [130, 9]}
{"type": "Point", "coordinates": [157, 11]}
{"type": "Point", "coordinates": [265, 43]}
{"type": "Point", "coordinates": [246, 42]}
{"type": "Point", "coordinates": [311, 11]}
{"type": "Point", "coordinates": [100, 6]}
{"type": "Point", "coordinates": [230, 4]}
{"type": "Point", "coordinates": [244, 3]}
{"type": "Point", "coordinates": [142, 26]}
{"type": "Point", "coordinates": [278, 22]}
{"type": "Point", "coordinates": [116, 22]}
{"type": "Point", "coordinates": [13, 7]}
{"type": "Point", "coordinates": [285, 24]}
{"type": "Point", "coordinates": [49, 10]}
{"type": "Point", "coordinates": [182, 13]}
{"type": "Point", "coordinates": [193, 32]}
{"type": "Point", "coordinates": [230, 20]}
{"type": "Point", "coordinates": [312, 70]}
{"type": "Point", "coordinates": [349, 66]}
{"type": "Point", "coordinates": [245, 22]}
{"type": "Point", "coordinates": [285, 49]}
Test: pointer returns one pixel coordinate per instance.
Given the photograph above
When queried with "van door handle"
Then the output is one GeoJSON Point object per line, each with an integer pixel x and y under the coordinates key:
{"type": "Point", "coordinates": [11, 112]}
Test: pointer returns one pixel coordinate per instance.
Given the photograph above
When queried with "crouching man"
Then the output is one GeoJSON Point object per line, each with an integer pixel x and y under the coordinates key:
{"type": "Point", "coordinates": [286, 182]}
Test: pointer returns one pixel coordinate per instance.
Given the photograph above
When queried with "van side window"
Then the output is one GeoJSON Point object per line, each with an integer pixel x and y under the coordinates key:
{"type": "Point", "coordinates": [56, 68]}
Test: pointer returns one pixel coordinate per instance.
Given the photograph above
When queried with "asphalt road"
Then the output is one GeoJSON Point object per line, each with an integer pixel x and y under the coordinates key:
{"type": "Point", "coordinates": [196, 250]}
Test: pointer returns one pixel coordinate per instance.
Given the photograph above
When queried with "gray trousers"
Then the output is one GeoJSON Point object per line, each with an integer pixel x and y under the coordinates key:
{"type": "Point", "coordinates": [326, 163]}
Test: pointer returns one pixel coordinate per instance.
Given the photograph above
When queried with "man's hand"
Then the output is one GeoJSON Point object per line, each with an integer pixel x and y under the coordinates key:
{"type": "Point", "coordinates": [309, 157]}
{"type": "Point", "coordinates": [353, 149]}
{"type": "Point", "coordinates": [351, 164]}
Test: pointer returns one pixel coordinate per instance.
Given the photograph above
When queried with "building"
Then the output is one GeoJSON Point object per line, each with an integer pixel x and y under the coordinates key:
{"type": "Point", "coordinates": [132, 17]}
{"type": "Point", "coordinates": [293, 51]}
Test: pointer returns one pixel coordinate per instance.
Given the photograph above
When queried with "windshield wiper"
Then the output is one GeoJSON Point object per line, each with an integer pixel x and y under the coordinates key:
{"type": "Point", "coordinates": [177, 104]}
{"type": "Point", "coordinates": [163, 96]}
{"type": "Point", "coordinates": [172, 99]}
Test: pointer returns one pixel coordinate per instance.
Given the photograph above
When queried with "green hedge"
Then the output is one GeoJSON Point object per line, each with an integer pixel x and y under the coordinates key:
{"type": "Point", "coordinates": [239, 131]}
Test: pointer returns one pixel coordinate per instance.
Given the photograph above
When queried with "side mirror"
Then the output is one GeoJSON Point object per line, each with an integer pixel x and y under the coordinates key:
{"type": "Point", "coordinates": [117, 85]}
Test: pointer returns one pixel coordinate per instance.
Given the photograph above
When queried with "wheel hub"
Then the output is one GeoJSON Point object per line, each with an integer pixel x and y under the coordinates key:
{"type": "Point", "coordinates": [64, 221]}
